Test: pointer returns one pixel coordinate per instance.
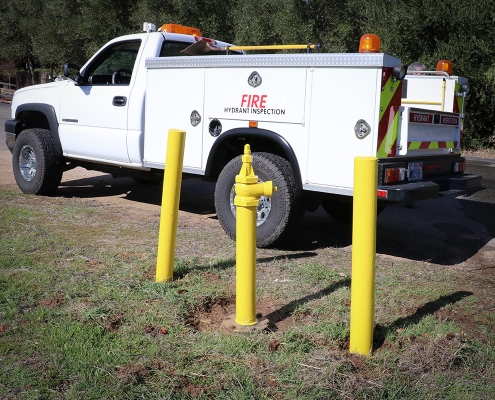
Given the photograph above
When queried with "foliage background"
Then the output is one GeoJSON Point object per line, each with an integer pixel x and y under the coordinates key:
{"type": "Point", "coordinates": [47, 33]}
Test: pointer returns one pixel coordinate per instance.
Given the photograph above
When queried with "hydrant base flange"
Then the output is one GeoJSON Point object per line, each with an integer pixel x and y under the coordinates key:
{"type": "Point", "coordinates": [230, 326]}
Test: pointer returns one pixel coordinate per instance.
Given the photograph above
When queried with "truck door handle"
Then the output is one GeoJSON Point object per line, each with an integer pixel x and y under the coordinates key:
{"type": "Point", "coordinates": [119, 101]}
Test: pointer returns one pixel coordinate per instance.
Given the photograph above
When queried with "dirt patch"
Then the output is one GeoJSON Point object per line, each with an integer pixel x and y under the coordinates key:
{"type": "Point", "coordinates": [135, 374]}
{"type": "Point", "coordinates": [209, 316]}
{"type": "Point", "coordinates": [155, 330]}
{"type": "Point", "coordinates": [50, 303]}
{"type": "Point", "coordinates": [114, 322]}
{"type": "Point", "coordinates": [35, 361]}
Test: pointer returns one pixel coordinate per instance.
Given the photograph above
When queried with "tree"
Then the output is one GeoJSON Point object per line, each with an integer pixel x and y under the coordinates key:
{"type": "Point", "coordinates": [17, 30]}
{"type": "Point", "coordinates": [431, 30]}
{"type": "Point", "coordinates": [7, 68]}
{"type": "Point", "coordinates": [57, 39]}
{"type": "Point", "coordinates": [103, 20]}
{"type": "Point", "coordinates": [212, 17]}
{"type": "Point", "coordinates": [51, 32]}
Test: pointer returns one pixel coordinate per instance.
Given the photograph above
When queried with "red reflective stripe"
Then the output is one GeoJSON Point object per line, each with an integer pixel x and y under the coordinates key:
{"type": "Point", "coordinates": [386, 72]}
{"type": "Point", "coordinates": [424, 145]}
{"type": "Point", "coordinates": [442, 145]}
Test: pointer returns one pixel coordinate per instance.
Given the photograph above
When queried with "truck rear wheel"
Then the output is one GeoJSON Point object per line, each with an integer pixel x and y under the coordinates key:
{"type": "Point", "coordinates": [36, 164]}
{"type": "Point", "coordinates": [278, 216]}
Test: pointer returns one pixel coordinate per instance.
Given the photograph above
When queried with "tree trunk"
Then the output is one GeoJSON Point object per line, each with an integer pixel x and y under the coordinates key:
{"type": "Point", "coordinates": [30, 70]}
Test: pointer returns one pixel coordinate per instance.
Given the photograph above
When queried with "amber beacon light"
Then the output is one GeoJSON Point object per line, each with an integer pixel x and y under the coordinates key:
{"type": "Point", "coordinates": [369, 43]}
{"type": "Point", "coordinates": [445, 66]}
{"type": "Point", "coordinates": [185, 30]}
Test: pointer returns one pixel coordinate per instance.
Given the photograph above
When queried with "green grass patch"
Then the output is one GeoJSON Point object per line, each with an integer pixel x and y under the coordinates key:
{"type": "Point", "coordinates": [81, 317]}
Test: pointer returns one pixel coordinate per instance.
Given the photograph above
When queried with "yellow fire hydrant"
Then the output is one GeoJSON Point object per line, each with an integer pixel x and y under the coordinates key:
{"type": "Point", "coordinates": [247, 193]}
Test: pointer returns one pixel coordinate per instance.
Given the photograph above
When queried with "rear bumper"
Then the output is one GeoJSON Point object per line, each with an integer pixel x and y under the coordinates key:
{"type": "Point", "coordinates": [438, 179]}
{"type": "Point", "coordinates": [416, 191]}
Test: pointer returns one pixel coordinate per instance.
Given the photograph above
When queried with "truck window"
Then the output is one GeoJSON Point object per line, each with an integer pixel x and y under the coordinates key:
{"type": "Point", "coordinates": [114, 65]}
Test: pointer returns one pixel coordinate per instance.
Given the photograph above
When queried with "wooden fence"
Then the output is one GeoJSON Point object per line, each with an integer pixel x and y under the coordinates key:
{"type": "Point", "coordinates": [6, 92]}
{"type": "Point", "coordinates": [7, 89]}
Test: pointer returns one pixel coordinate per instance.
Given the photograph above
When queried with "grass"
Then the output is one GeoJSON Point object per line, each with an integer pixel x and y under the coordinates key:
{"type": "Point", "coordinates": [82, 318]}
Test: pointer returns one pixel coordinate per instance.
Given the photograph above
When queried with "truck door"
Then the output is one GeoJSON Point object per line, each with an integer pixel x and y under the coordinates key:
{"type": "Point", "coordinates": [93, 116]}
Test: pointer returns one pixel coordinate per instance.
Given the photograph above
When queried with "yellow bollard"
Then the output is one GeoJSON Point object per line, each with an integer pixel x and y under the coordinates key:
{"type": "Point", "coordinates": [170, 205]}
{"type": "Point", "coordinates": [248, 191]}
{"type": "Point", "coordinates": [363, 255]}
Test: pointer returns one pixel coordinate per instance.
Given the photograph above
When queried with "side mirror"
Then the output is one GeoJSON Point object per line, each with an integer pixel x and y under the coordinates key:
{"type": "Point", "coordinates": [77, 77]}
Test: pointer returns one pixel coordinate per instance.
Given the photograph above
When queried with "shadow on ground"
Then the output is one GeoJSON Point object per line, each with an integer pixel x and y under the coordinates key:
{"type": "Point", "coordinates": [445, 231]}
{"type": "Point", "coordinates": [430, 308]}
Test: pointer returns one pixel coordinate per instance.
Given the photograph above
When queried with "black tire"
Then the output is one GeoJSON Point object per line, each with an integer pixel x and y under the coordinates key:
{"type": "Point", "coordinates": [285, 210]}
{"type": "Point", "coordinates": [342, 210]}
{"type": "Point", "coordinates": [36, 164]}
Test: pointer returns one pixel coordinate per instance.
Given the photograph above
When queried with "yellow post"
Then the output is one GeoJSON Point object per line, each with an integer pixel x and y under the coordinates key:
{"type": "Point", "coordinates": [170, 205]}
{"type": "Point", "coordinates": [273, 47]}
{"type": "Point", "coordinates": [248, 191]}
{"type": "Point", "coordinates": [363, 255]}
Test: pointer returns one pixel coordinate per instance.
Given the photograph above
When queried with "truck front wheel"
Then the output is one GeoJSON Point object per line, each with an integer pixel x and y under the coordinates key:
{"type": "Point", "coordinates": [277, 216]}
{"type": "Point", "coordinates": [37, 167]}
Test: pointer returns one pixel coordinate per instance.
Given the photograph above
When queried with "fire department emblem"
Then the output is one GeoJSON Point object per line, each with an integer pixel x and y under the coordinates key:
{"type": "Point", "coordinates": [254, 79]}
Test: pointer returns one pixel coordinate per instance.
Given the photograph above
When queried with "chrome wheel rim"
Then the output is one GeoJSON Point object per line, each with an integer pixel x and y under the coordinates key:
{"type": "Point", "coordinates": [27, 163]}
{"type": "Point", "coordinates": [262, 210]}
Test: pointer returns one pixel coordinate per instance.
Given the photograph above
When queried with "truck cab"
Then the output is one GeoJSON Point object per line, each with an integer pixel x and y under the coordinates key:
{"type": "Point", "coordinates": [98, 114]}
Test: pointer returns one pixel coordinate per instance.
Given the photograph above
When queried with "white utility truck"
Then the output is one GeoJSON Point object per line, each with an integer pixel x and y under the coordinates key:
{"type": "Point", "coordinates": [306, 117]}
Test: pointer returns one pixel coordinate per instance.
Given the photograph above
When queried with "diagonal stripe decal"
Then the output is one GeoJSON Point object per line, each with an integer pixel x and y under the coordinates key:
{"type": "Point", "coordinates": [432, 145]}
{"type": "Point", "coordinates": [387, 147]}
{"type": "Point", "coordinates": [390, 99]}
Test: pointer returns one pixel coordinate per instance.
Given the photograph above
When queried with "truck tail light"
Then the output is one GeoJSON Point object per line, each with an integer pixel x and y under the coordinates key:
{"type": "Point", "coordinates": [395, 175]}
{"type": "Point", "coordinates": [382, 194]}
{"type": "Point", "coordinates": [459, 166]}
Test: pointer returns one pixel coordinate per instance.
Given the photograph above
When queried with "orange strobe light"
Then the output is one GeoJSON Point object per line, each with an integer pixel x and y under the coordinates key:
{"type": "Point", "coordinates": [369, 43]}
{"type": "Point", "coordinates": [185, 30]}
{"type": "Point", "coordinates": [445, 66]}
